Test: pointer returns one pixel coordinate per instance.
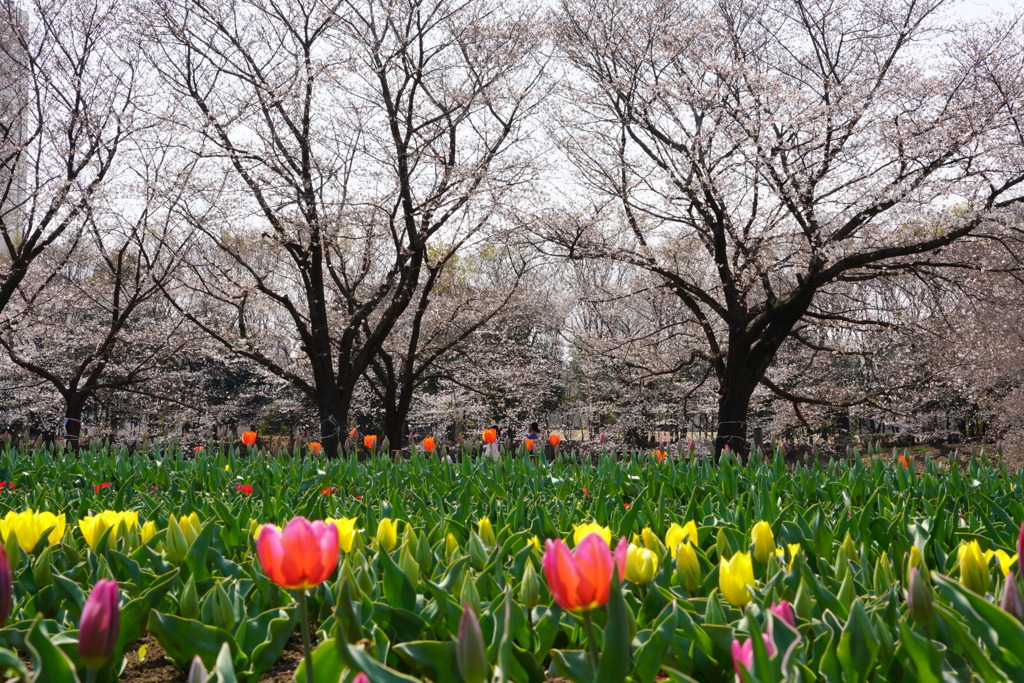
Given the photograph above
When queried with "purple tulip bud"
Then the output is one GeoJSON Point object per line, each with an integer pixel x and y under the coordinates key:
{"type": "Point", "coordinates": [100, 624]}
{"type": "Point", "coordinates": [6, 587]}
{"type": "Point", "coordinates": [470, 651]}
{"type": "Point", "coordinates": [783, 610]}
{"type": "Point", "coordinates": [919, 599]}
{"type": "Point", "coordinates": [1011, 601]}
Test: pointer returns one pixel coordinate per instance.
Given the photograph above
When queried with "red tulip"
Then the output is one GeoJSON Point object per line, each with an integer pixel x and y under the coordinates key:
{"type": "Point", "coordinates": [370, 440]}
{"type": "Point", "coordinates": [9, 485]}
{"type": "Point", "coordinates": [199, 449]}
{"type": "Point", "coordinates": [625, 505]}
{"type": "Point", "coordinates": [244, 488]}
{"type": "Point", "coordinates": [314, 447]}
{"type": "Point", "coordinates": [529, 445]}
{"type": "Point", "coordinates": [586, 492]}
{"type": "Point", "coordinates": [328, 490]}
{"type": "Point", "coordinates": [429, 444]}
{"type": "Point", "coordinates": [300, 556]}
{"type": "Point", "coordinates": [249, 438]}
{"type": "Point", "coordinates": [581, 579]}
{"type": "Point", "coordinates": [97, 487]}
{"type": "Point", "coordinates": [554, 440]}
{"type": "Point", "coordinates": [100, 624]}
{"type": "Point", "coordinates": [490, 435]}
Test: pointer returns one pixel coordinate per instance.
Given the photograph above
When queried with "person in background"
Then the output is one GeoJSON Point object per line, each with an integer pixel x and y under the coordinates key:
{"type": "Point", "coordinates": [533, 436]}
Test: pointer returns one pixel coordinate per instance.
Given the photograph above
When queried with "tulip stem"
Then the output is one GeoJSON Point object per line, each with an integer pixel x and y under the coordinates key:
{"type": "Point", "coordinates": [307, 650]}
{"type": "Point", "coordinates": [588, 628]}
{"type": "Point", "coordinates": [90, 675]}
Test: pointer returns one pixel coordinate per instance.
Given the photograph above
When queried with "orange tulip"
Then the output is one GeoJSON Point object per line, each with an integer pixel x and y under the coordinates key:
{"type": "Point", "coordinates": [581, 579]}
{"type": "Point", "coordinates": [490, 435]}
{"type": "Point", "coordinates": [529, 445]}
{"type": "Point", "coordinates": [249, 438]}
{"type": "Point", "coordinates": [429, 444]}
{"type": "Point", "coordinates": [352, 434]}
{"type": "Point", "coordinates": [314, 447]}
{"type": "Point", "coordinates": [660, 455]}
{"type": "Point", "coordinates": [903, 461]}
{"type": "Point", "coordinates": [370, 440]}
{"type": "Point", "coordinates": [554, 440]}
{"type": "Point", "coordinates": [301, 555]}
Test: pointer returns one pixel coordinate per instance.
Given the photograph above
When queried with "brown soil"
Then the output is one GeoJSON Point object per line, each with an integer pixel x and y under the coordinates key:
{"type": "Point", "coordinates": [156, 668]}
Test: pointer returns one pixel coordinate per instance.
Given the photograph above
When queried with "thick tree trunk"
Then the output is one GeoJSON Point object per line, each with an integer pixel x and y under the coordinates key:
{"type": "Point", "coordinates": [732, 419]}
{"type": "Point", "coordinates": [333, 419]}
{"type": "Point", "coordinates": [73, 406]}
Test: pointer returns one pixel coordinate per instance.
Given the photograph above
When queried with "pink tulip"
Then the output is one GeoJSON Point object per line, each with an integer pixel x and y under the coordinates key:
{"type": "Point", "coordinates": [100, 624]}
{"type": "Point", "coordinates": [6, 587]}
{"type": "Point", "coordinates": [361, 678]}
{"type": "Point", "coordinates": [581, 579]}
{"type": "Point", "coordinates": [743, 655]}
{"type": "Point", "coordinates": [783, 610]}
{"type": "Point", "coordinates": [301, 555]}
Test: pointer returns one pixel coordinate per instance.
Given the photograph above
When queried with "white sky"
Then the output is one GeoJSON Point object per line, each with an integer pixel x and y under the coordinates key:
{"type": "Point", "coordinates": [982, 9]}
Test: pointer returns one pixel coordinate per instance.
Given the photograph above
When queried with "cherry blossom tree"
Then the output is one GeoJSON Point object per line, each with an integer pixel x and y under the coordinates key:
{"type": "Point", "coordinates": [758, 158]}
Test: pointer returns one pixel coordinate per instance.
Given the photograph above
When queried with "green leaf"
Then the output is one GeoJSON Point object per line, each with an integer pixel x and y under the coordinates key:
{"type": "Point", "coordinates": [431, 658]}
{"type": "Point", "coordinates": [613, 666]}
{"type": "Point", "coordinates": [49, 662]}
{"type": "Point", "coordinates": [327, 664]}
{"type": "Point", "coordinates": [858, 645]}
{"type": "Point", "coordinates": [184, 639]}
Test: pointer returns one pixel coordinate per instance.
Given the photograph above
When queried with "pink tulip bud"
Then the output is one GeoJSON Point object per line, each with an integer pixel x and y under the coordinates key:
{"type": "Point", "coordinates": [1011, 601]}
{"type": "Point", "coordinates": [601, 438]}
{"type": "Point", "coordinates": [784, 611]}
{"type": "Point", "coordinates": [1020, 543]}
{"type": "Point", "coordinates": [6, 587]}
{"type": "Point", "coordinates": [470, 650]}
{"type": "Point", "coordinates": [100, 624]}
{"type": "Point", "coordinates": [361, 678]}
{"type": "Point", "coordinates": [743, 654]}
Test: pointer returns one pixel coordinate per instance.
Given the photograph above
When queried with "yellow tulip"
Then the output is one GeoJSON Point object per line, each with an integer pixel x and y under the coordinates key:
{"type": "Point", "coordinates": [94, 526]}
{"type": "Point", "coordinates": [346, 531]}
{"type": "Point", "coordinates": [189, 526]}
{"type": "Point", "coordinates": [1005, 561]}
{"type": "Point", "coordinates": [28, 527]}
{"type": "Point", "coordinates": [254, 528]}
{"type": "Point", "coordinates": [148, 531]}
{"type": "Point", "coordinates": [641, 564]}
{"type": "Point", "coordinates": [734, 577]}
{"type": "Point", "coordinates": [973, 567]}
{"type": "Point", "coordinates": [581, 531]}
{"type": "Point", "coordinates": [688, 567]}
{"type": "Point", "coordinates": [680, 534]}
{"type": "Point", "coordinates": [535, 542]}
{"type": "Point", "coordinates": [794, 548]}
{"type": "Point", "coordinates": [387, 534]}
{"type": "Point", "coordinates": [764, 541]}
{"type": "Point", "coordinates": [486, 532]}
{"type": "Point", "coordinates": [451, 546]}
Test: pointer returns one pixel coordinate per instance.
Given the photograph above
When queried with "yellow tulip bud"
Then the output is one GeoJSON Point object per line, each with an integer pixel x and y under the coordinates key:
{"type": "Point", "coordinates": [387, 534]}
{"type": "Point", "coordinates": [148, 531]}
{"type": "Point", "coordinates": [581, 531]}
{"type": "Point", "coordinates": [451, 546]}
{"type": "Point", "coordinates": [974, 573]}
{"type": "Point", "coordinates": [688, 567]}
{"type": "Point", "coordinates": [734, 576]}
{"type": "Point", "coordinates": [347, 531]}
{"type": "Point", "coordinates": [486, 532]}
{"type": "Point", "coordinates": [764, 541]}
{"type": "Point", "coordinates": [641, 564]}
{"type": "Point", "coordinates": [680, 534]}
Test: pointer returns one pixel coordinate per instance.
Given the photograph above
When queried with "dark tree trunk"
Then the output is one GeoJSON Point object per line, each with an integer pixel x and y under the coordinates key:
{"type": "Point", "coordinates": [733, 405]}
{"type": "Point", "coordinates": [74, 404]}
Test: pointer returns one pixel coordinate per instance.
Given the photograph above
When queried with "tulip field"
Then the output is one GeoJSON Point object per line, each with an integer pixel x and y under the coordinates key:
{"type": "Point", "coordinates": [240, 565]}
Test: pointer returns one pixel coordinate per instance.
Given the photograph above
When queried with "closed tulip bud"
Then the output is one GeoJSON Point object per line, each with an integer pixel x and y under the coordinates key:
{"type": "Point", "coordinates": [1011, 601]}
{"type": "Point", "coordinates": [148, 531]}
{"type": "Point", "coordinates": [188, 602]}
{"type": "Point", "coordinates": [42, 570]}
{"type": "Point", "coordinates": [688, 567]}
{"type": "Point", "coordinates": [451, 547]}
{"type": "Point", "coordinates": [641, 564]}
{"type": "Point", "coordinates": [478, 552]}
{"type": "Point", "coordinates": [784, 611]}
{"type": "Point", "coordinates": [469, 594]}
{"type": "Point", "coordinates": [6, 587]}
{"type": "Point", "coordinates": [974, 573]}
{"type": "Point", "coordinates": [734, 577]}
{"type": "Point", "coordinates": [177, 544]}
{"type": "Point", "coordinates": [197, 673]}
{"type": "Point", "coordinates": [1020, 541]}
{"type": "Point", "coordinates": [408, 564]}
{"type": "Point", "coordinates": [680, 534]}
{"type": "Point", "coordinates": [653, 543]}
{"type": "Point", "coordinates": [916, 561]}
{"type": "Point", "coordinates": [470, 650]}
{"type": "Point", "coordinates": [529, 589]}
{"type": "Point", "coordinates": [387, 534]}
{"type": "Point", "coordinates": [764, 541]}
{"type": "Point", "coordinates": [919, 599]}
{"type": "Point", "coordinates": [100, 624]}
{"type": "Point", "coordinates": [223, 610]}
{"type": "Point", "coordinates": [424, 555]}
{"type": "Point", "coordinates": [486, 532]}
{"type": "Point", "coordinates": [848, 549]}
